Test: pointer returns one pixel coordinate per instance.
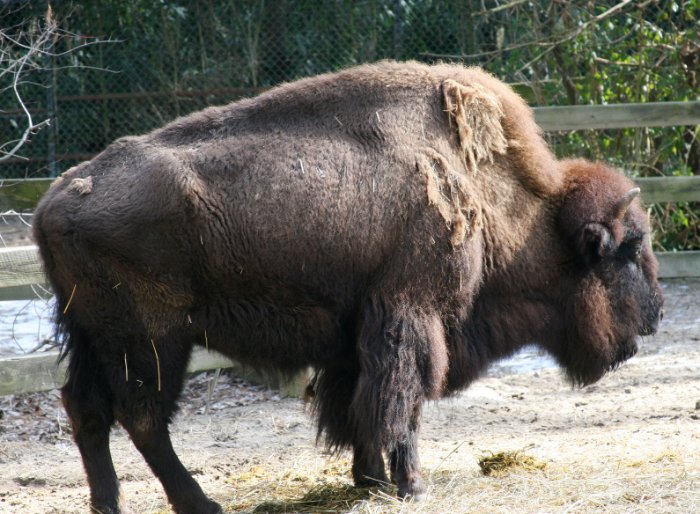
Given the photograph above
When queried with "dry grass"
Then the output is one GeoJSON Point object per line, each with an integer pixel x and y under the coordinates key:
{"type": "Point", "coordinates": [329, 489]}
{"type": "Point", "coordinates": [515, 483]}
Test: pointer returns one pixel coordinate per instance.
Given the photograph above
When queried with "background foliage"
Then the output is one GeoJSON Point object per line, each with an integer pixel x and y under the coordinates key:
{"type": "Point", "coordinates": [169, 57]}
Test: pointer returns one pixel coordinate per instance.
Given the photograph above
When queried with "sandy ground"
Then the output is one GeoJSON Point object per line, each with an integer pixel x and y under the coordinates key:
{"type": "Point", "coordinates": [630, 443]}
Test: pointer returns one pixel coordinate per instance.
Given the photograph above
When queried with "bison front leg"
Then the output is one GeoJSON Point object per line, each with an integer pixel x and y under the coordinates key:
{"type": "Point", "coordinates": [368, 466]}
{"type": "Point", "coordinates": [332, 392]}
{"type": "Point", "coordinates": [405, 464]}
{"type": "Point", "coordinates": [403, 361]}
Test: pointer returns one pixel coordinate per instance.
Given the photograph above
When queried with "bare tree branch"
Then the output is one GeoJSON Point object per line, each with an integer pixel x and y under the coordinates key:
{"type": "Point", "coordinates": [548, 45]}
{"type": "Point", "coordinates": [21, 51]}
{"type": "Point", "coordinates": [578, 31]}
{"type": "Point", "coordinates": [498, 8]}
{"type": "Point", "coordinates": [16, 67]}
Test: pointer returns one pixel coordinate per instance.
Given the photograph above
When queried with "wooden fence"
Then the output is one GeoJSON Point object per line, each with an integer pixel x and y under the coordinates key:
{"type": "Point", "coordinates": [20, 268]}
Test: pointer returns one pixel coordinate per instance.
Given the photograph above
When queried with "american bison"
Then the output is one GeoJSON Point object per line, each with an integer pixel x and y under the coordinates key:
{"type": "Point", "coordinates": [396, 227]}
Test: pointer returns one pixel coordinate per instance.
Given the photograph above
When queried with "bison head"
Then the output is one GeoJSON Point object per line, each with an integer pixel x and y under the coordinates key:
{"type": "Point", "coordinates": [614, 296]}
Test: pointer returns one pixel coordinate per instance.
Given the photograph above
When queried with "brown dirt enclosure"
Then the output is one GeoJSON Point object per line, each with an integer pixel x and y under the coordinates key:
{"type": "Point", "coordinates": [630, 443]}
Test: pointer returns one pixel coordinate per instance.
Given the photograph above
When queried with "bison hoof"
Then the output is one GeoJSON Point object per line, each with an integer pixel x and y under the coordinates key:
{"type": "Point", "coordinates": [412, 489]}
{"type": "Point", "coordinates": [371, 482]}
{"type": "Point", "coordinates": [109, 508]}
{"type": "Point", "coordinates": [208, 507]}
{"type": "Point", "coordinates": [216, 509]}
{"type": "Point", "coordinates": [369, 476]}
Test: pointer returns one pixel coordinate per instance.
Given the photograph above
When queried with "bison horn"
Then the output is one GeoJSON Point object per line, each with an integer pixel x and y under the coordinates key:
{"type": "Point", "coordinates": [623, 203]}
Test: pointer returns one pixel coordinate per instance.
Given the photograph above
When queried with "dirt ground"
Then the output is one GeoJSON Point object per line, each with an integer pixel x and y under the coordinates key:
{"type": "Point", "coordinates": [630, 443]}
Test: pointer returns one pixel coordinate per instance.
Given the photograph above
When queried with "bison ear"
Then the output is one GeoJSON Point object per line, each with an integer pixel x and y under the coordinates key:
{"type": "Point", "coordinates": [593, 242]}
{"type": "Point", "coordinates": [476, 114]}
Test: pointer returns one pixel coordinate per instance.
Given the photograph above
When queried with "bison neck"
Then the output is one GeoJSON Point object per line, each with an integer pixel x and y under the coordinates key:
{"type": "Point", "coordinates": [520, 300]}
{"type": "Point", "coordinates": [498, 327]}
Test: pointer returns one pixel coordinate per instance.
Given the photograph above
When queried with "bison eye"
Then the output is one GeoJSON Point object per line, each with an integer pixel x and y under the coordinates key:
{"type": "Point", "coordinates": [638, 251]}
{"type": "Point", "coordinates": [632, 249]}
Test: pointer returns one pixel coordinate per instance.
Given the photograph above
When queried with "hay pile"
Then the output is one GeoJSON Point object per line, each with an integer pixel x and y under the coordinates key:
{"type": "Point", "coordinates": [499, 482]}
{"type": "Point", "coordinates": [330, 490]}
{"type": "Point", "coordinates": [501, 463]}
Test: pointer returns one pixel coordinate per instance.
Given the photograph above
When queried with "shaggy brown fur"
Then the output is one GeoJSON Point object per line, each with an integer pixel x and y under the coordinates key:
{"type": "Point", "coordinates": [396, 226]}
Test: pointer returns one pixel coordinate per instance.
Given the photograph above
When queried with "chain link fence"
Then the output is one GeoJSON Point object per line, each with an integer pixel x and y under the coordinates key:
{"type": "Point", "coordinates": [121, 67]}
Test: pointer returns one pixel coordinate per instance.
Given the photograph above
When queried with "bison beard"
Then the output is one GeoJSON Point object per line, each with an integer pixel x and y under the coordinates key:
{"type": "Point", "coordinates": [395, 226]}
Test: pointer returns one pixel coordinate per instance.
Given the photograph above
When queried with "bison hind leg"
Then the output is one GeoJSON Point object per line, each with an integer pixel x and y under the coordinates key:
{"type": "Point", "coordinates": [88, 402]}
{"type": "Point", "coordinates": [144, 407]}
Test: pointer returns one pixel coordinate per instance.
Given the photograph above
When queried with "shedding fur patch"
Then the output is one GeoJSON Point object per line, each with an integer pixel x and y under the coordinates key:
{"type": "Point", "coordinates": [447, 191]}
{"type": "Point", "coordinates": [82, 186]}
{"type": "Point", "coordinates": [477, 115]}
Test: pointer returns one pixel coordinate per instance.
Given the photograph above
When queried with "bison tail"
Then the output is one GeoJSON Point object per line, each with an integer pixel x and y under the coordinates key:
{"type": "Point", "coordinates": [41, 233]}
{"type": "Point", "coordinates": [63, 262]}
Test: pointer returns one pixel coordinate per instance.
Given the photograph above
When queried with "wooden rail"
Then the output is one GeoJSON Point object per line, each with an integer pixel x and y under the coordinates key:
{"type": "Point", "coordinates": [585, 117]}
{"type": "Point", "coordinates": [42, 372]}
{"type": "Point", "coordinates": [20, 268]}
{"type": "Point", "coordinates": [670, 189]}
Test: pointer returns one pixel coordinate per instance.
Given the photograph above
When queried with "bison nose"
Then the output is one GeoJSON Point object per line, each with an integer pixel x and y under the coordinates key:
{"type": "Point", "coordinates": [651, 327]}
{"type": "Point", "coordinates": [659, 318]}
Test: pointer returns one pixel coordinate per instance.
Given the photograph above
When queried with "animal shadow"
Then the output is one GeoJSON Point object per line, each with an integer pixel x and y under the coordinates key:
{"type": "Point", "coordinates": [328, 498]}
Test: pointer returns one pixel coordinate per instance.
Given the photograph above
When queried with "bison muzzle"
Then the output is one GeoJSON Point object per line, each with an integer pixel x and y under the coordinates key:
{"type": "Point", "coordinates": [396, 227]}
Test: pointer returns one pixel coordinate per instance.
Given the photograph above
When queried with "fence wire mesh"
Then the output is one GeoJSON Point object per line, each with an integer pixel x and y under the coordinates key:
{"type": "Point", "coordinates": [118, 67]}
